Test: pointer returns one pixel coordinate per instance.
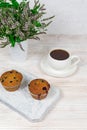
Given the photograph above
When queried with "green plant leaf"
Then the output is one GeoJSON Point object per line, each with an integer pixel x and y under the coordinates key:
{"type": "Point", "coordinates": [12, 41]}
{"type": "Point", "coordinates": [34, 11]}
{"type": "Point", "coordinates": [15, 3]}
{"type": "Point", "coordinates": [37, 24]}
{"type": "Point", "coordinates": [3, 4]}
{"type": "Point", "coordinates": [17, 39]}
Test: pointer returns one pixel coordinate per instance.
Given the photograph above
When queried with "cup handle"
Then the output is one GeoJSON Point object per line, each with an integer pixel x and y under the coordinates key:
{"type": "Point", "coordinates": [75, 60]}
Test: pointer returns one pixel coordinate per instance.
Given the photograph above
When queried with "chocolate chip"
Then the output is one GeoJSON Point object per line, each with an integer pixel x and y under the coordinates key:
{"type": "Point", "coordinates": [44, 88]}
{"type": "Point", "coordinates": [2, 81]}
{"type": "Point", "coordinates": [11, 72]}
{"type": "Point", "coordinates": [42, 80]}
{"type": "Point", "coordinates": [14, 77]}
{"type": "Point", "coordinates": [17, 80]}
{"type": "Point", "coordinates": [11, 81]}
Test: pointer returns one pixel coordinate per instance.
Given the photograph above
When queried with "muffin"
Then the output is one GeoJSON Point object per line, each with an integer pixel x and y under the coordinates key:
{"type": "Point", "coordinates": [11, 80]}
{"type": "Point", "coordinates": [39, 88]}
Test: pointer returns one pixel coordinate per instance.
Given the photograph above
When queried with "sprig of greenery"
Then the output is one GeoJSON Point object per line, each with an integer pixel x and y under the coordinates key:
{"type": "Point", "coordinates": [19, 22]}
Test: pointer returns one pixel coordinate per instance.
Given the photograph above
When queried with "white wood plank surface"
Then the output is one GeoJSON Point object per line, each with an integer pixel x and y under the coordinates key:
{"type": "Point", "coordinates": [70, 113]}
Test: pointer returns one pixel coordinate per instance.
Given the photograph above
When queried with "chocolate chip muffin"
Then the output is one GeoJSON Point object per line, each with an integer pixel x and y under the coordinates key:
{"type": "Point", "coordinates": [39, 88]}
{"type": "Point", "coordinates": [11, 80]}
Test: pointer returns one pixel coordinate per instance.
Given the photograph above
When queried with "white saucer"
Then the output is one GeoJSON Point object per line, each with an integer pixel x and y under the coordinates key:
{"type": "Point", "coordinates": [57, 73]}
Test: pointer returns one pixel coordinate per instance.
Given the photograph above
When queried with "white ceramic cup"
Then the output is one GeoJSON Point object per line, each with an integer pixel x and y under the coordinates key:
{"type": "Point", "coordinates": [60, 64]}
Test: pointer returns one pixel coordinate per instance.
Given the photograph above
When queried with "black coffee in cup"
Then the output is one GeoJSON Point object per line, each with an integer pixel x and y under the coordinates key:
{"type": "Point", "coordinates": [59, 54]}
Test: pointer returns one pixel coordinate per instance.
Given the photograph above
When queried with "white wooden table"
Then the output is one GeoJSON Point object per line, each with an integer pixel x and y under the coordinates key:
{"type": "Point", "coordinates": [70, 113]}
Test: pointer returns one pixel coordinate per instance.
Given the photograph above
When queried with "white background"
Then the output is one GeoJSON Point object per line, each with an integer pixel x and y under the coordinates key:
{"type": "Point", "coordinates": [71, 16]}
